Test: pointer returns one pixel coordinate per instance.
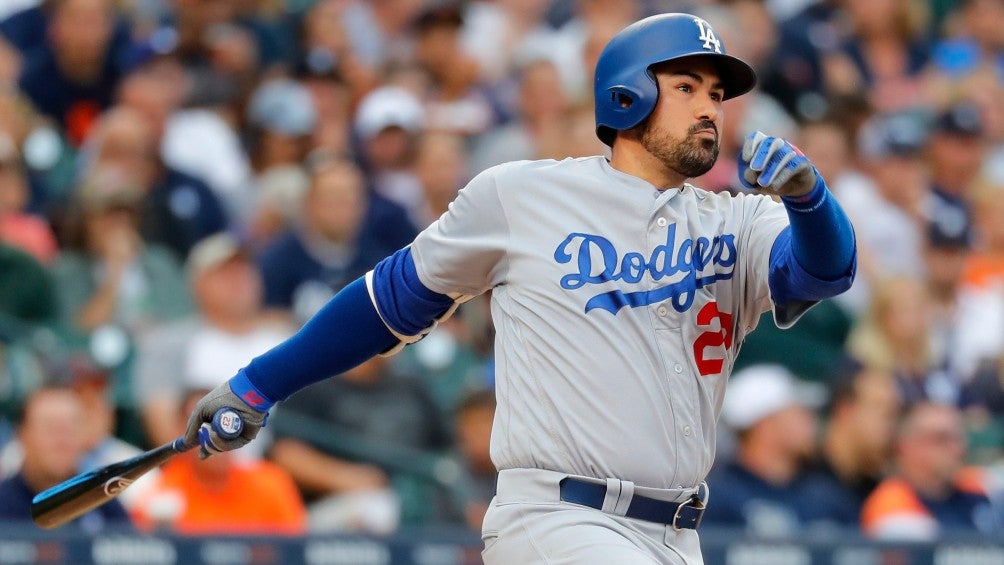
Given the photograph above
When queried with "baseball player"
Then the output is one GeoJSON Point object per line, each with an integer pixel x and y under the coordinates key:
{"type": "Point", "coordinates": [620, 296]}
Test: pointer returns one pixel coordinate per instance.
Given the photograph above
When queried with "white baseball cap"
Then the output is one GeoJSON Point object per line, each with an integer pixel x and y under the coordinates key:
{"type": "Point", "coordinates": [283, 106]}
{"type": "Point", "coordinates": [759, 391]}
{"type": "Point", "coordinates": [213, 251]}
{"type": "Point", "coordinates": [389, 106]}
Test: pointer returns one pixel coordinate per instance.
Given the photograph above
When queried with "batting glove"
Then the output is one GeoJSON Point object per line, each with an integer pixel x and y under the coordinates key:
{"type": "Point", "coordinates": [771, 164]}
{"type": "Point", "coordinates": [238, 395]}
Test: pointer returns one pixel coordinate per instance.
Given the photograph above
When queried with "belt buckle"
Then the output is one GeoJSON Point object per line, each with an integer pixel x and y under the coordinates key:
{"type": "Point", "coordinates": [698, 502]}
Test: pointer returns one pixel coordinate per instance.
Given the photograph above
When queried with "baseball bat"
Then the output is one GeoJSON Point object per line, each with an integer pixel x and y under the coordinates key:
{"type": "Point", "coordinates": [72, 498]}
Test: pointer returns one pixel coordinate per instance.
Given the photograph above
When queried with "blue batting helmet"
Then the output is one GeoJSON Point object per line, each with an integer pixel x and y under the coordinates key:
{"type": "Point", "coordinates": [625, 90]}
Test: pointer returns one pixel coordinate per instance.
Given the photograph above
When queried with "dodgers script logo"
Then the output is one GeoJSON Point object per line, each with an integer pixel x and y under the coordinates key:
{"type": "Point", "coordinates": [684, 262]}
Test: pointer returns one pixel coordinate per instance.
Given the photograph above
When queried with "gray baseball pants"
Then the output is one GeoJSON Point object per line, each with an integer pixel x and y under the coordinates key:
{"type": "Point", "coordinates": [527, 522]}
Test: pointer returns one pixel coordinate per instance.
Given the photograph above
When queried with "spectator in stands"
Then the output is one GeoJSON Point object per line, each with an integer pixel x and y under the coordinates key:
{"type": "Point", "coordinates": [51, 434]}
{"type": "Point", "coordinates": [888, 210]}
{"type": "Point", "coordinates": [108, 273]}
{"type": "Point", "coordinates": [278, 201]}
{"type": "Point", "coordinates": [29, 232]}
{"type": "Point", "coordinates": [178, 209]}
{"type": "Point", "coordinates": [767, 488]}
{"type": "Point", "coordinates": [201, 142]}
{"type": "Point", "coordinates": [342, 235]}
{"type": "Point", "coordinates": [228, 327]}
{"type": "Point", "coordinates": [895, 337]}
{"type": "Point", "coordinates": [221, 495]}
{"type": "Point", "coordinates": [929, 494]}
{"type": "Point", "coordinates": [72, 78]}
{"type": "Point", "coordinates": [455, 100]}
{"type": "Point", "coordinates": [884, 53]}
{"type": "Point", "coordinates": [27, 27]}
{"type": "Point", "coordinates": [112, 285]}
{"type": "Point", "coordinates": [355, 473]}
{"type": "Point", "coordinates": [856, 446]}
{"type": "Point", "coordinates": [440, 165]}
{"type": "Point", "coordinates": [281, 119]}
{"type": "Point", "coordinates": [388, 123]}
{"type": "Point", "coordinates": [947, 244]}
{"type": "Point", "coordinates": [955, 155]}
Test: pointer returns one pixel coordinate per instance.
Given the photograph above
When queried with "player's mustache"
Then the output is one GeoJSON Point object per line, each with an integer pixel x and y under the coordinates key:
{"type": "Point", "coordinates": [703, 125]}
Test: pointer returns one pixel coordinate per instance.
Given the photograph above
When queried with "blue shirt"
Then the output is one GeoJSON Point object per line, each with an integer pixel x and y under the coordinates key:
{"type": "Point", "coordinates": [181, 210]}
{"type": "Point", "coordinates": [296, 279]}
{"type": "Point", "coordinates": [741, 500]}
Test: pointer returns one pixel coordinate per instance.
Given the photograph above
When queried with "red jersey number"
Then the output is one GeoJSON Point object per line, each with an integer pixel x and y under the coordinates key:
{"type": "Point", "coordinates": [713, 338]}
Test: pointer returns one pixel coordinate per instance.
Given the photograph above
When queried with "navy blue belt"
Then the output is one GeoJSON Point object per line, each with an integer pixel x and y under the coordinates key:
{"type": "Point", "coordinates": [677, 514]}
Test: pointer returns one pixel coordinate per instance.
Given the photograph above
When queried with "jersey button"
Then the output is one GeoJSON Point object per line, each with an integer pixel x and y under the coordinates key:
{"type": "Point", "coordinates": [687, 431]}
{"type": "Point", "coordinates": [678, 368]}
{"type": "Point", "coordinates": [662, 222]}
{"type": "Point", "coordinates": [663, 311]}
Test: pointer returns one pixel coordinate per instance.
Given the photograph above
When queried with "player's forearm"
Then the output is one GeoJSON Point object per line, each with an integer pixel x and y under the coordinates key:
{"type": "Point", "coordinates": [348, 331]}
{"type": "Point", "coordinates": [822, 238]}
{"type": "Point", "coordinates": [343, 334]}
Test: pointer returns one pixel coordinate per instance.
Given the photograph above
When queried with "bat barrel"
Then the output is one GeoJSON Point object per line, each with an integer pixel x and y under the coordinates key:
{"type": "Point", "coordinates": [72, 498]}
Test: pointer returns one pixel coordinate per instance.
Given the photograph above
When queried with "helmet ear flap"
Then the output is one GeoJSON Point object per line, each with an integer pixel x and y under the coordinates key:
{"type": "Point", "coordinates": [623, 106]}
{"type": "Point", "coordinates": [621, 98]}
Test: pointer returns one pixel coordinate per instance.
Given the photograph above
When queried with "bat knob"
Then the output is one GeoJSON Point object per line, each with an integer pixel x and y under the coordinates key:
{"type": "Point", "coordinates": [227, 423]}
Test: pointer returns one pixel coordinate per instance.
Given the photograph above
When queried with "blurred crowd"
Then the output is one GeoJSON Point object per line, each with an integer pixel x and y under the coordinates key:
{"type": "Point", "coordinates": [183, 183]}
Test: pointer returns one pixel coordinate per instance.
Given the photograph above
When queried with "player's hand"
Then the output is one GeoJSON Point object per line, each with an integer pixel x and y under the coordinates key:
{"type": "Point", "coordinates": [209, 440]}
{"type": "Point", "coordinates": [772, 165]}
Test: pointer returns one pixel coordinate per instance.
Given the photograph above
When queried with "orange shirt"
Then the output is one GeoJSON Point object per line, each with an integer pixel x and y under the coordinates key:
{"type": "Point", "coordinates": [256, 498]}
{"type": "Point", "coordinates": [894, 503]}
{"type": "Point", "coordinates": [982, 270]}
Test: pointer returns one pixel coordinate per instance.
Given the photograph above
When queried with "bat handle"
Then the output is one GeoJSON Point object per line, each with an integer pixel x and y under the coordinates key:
{"type": "Point", "coordinates": [226, 422]}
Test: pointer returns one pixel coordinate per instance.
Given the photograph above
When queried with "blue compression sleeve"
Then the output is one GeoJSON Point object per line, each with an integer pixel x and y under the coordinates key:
{"type": "Point", "coordinates": [822, 236]}
{"type": "Point", "coordinates": [343, 334]}
{"type": "Point", "coordinates": [815, 257]}
{"type": "Point", "coordinates": [327, 346]}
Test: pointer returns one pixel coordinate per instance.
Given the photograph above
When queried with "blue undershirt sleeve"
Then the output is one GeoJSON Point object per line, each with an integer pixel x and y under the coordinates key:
{"type": "Point", "coordinates": [344, 333]}
{"type": "Point", "coordinates": [347, 331]}
{"type": "Point", "coordinates": [815, 257]}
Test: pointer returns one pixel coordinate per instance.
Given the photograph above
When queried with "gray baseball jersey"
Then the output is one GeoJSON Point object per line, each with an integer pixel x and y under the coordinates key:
{"type": "Point", "coordinates": [618, 308]}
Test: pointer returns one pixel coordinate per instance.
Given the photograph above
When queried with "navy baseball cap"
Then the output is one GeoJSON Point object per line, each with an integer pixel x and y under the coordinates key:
{"type": "Point", "coordinates": [962, 119]}
{"type": "Point", "coordinates": [900, 134]}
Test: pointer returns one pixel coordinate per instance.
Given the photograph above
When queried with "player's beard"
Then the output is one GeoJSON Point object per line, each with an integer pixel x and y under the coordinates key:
{"type": "Point", "coordinates": [691, 156]}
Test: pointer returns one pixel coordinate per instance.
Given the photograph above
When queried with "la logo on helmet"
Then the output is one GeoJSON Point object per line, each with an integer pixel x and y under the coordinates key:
{"type": "Point", "coordinates": [708, 36]}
